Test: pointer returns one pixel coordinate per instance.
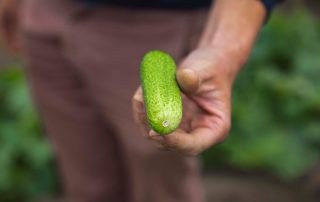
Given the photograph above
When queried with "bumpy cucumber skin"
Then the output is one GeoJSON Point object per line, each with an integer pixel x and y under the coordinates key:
{"type": "Point", "coordinates": [161, 92]}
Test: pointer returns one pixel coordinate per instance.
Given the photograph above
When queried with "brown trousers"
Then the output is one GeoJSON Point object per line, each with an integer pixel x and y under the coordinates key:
{"type": "Point", "coordinates": [83, 67]}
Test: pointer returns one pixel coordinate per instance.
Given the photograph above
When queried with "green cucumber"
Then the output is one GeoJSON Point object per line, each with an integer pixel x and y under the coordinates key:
{"type": "Point", "coordinates": [161, 92]}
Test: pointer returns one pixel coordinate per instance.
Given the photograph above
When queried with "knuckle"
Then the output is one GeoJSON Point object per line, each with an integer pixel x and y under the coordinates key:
{"type": "Point", "coordinates": [134, 99]}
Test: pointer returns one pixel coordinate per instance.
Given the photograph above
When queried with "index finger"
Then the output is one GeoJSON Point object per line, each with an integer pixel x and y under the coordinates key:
{"type": "Point", "coordinates": [191, 144]}
{"type": "Point", "coordinates": [138, 111]}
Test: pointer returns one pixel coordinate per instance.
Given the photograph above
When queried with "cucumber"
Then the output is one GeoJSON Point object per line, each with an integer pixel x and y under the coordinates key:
{"type": "Point", "coordinates": [161, 92]}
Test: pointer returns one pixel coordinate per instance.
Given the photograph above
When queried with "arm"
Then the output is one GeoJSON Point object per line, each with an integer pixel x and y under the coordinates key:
{"type": "Point", "coordinates": [206, 76]}
{"type": "Point", "coordinates": [233, 26]}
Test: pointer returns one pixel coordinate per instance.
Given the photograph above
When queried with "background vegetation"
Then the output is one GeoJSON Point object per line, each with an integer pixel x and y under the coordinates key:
{"type": "Point", "coordinates": [26, 161]}
{"type": "Point", "coordinates": [276, 102]}
{"type": "Point", "coordinates": [276, 114]}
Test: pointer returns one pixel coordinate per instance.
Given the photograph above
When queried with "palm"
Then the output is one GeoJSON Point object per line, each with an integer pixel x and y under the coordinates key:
{"type": "Point", "coordinates": [201, 112]}
{"type": "Point", "coordinates": [206, 103]}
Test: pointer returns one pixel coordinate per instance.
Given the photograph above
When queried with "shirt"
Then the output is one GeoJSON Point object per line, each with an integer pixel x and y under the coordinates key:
{"type": "Point", "coordinates": [170, 4]}
{"type": "Point", "coordinates": [164, 4]}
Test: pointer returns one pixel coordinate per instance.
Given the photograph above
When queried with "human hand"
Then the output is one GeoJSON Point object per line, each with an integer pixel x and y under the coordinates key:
{"type": "Point", "coordinates": [206, 77]}
{"type": "Point", "coordinates": [9, 24]}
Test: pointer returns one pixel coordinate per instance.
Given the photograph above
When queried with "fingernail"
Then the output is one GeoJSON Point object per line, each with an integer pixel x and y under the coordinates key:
{"type": "Point", "coordinates": [189, 80]}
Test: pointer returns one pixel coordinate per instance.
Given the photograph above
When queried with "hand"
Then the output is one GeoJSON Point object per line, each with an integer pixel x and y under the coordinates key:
{"type": "Point", "coordinates": [9, 24]}
{"type": "Point", "coordinates": [206, 78]}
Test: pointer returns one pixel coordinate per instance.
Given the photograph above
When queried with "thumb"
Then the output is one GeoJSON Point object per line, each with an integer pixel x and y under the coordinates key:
{"type": "Point", "coordinates": [189, 80]}
{"type": "Point", "coordinates": [194, 71]}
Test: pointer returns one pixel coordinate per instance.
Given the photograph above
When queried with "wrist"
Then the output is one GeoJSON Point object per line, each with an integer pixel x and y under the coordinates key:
{"type": "Point", "coordinates": [215, 61]}
{"type": "Point", "coordinates": [234, 53]}
{"type": "Point", "coordinates": [232, 28]}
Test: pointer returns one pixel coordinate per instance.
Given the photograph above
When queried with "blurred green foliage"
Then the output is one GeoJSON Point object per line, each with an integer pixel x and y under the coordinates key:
{"type": "Point", "coordinates": [26, 166]}
{"type": "Point", "coordinates": [276, 114]}
{"type": "Point", "coordinates": [276, 102]}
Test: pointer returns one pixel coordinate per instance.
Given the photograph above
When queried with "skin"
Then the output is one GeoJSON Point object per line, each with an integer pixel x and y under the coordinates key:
{"type": "Point", "coordinates": [206, 77]}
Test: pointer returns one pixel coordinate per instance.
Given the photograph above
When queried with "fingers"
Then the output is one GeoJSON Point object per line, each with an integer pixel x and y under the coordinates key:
{"type": "Point", "coordinates": [205, 80]}
{"type": "Point", "coordinates": [188, 80]}
{"type": "Point", "coordinates": [189, 144]}
{"type": "Point", "coordinates": [195, 71]}
{"type": "Point", "coordinates": [139, 113]}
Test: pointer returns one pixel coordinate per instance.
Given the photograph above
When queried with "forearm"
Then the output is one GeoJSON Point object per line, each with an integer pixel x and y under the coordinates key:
{"type": "Point", "coordinates": [232, 27]}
